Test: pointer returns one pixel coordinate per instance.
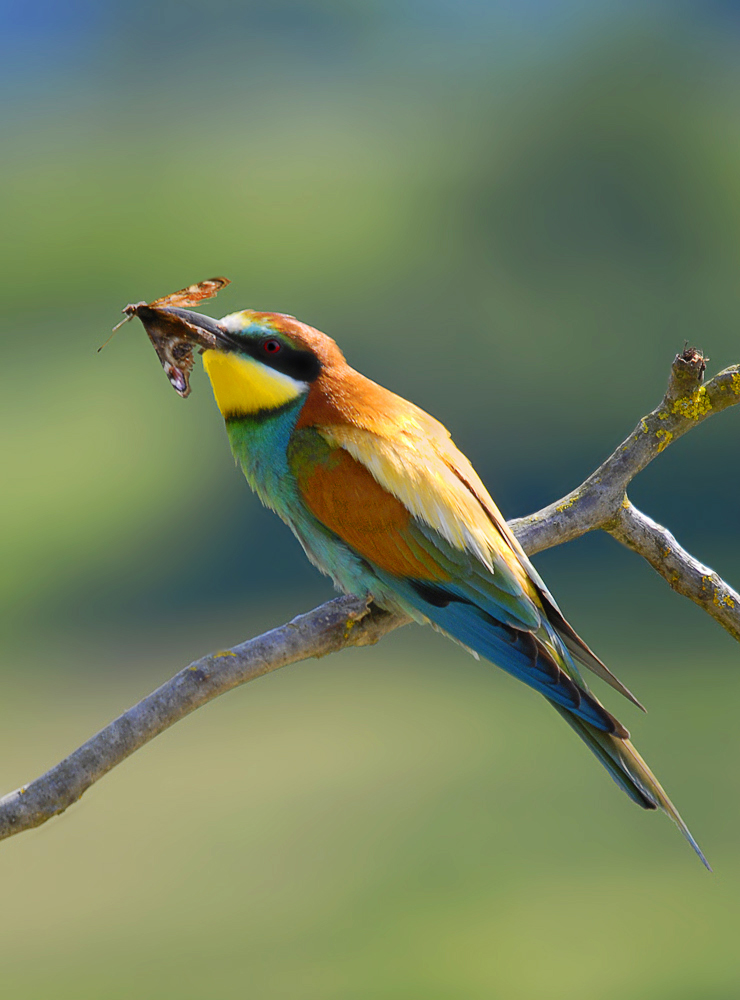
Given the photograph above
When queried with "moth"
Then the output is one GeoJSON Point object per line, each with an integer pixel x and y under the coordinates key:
{"type": "Point", "coordinates": [171, 335]}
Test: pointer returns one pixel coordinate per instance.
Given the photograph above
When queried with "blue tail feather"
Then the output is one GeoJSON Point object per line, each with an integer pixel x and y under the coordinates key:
{"type": "Point", "coordinates": [546, 667]}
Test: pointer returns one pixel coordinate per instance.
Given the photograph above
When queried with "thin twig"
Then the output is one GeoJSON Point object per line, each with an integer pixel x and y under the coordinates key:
{"type": "Point", "coordinates": [600, 502]}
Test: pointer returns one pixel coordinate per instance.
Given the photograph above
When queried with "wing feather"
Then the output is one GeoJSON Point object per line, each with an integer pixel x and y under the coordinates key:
{"type": "Point", "coordinates": [433, 479]}
{"type": "Point", "coordinates": [491, 607]}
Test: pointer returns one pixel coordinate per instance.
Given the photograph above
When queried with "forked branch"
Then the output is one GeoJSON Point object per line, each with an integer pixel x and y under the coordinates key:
{"type": "Point", "coordinates": [600, 502]}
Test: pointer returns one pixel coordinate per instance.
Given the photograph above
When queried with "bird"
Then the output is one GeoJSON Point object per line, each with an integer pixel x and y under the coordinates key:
{"type": "Point", "coordinates": [384, 503]}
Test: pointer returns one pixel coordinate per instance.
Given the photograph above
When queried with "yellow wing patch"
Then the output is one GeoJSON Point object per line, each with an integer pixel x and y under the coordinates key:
{"type": "Point", "coordinates": [243, 386]}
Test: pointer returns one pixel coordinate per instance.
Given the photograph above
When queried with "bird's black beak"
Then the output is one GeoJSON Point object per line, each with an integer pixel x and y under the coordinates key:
{"type": "Point", "coordinates": [202, 331]}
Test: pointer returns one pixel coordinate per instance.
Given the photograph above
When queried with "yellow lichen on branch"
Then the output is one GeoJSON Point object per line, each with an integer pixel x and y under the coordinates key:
{"type": "Point", "coordinates": [697, 405]}
{"type": "Point", "coordinates": [665, 437]}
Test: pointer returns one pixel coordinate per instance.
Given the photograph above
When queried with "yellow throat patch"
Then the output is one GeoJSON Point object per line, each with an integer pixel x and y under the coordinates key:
{"type": "Point", "coordinates": [243, 386]}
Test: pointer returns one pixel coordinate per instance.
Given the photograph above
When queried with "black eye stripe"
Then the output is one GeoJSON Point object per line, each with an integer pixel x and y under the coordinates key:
{"type": "Point", "coordinates": [300, 365]}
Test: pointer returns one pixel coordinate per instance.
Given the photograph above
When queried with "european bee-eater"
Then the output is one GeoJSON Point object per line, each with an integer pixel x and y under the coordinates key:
{"type": "Point", "coordinates": [384, 503]}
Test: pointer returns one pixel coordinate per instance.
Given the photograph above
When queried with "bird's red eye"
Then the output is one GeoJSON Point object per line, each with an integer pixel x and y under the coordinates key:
{"type": "Point", "coordinates": [272, 346]}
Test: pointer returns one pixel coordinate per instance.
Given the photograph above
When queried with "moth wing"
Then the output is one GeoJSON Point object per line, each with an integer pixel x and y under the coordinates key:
{"type": "Point", "coordinates": [192, 295]}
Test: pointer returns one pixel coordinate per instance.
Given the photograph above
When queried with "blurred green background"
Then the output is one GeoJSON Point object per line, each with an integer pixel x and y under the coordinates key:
{"type": "Point", "coordinates": [514, 214]}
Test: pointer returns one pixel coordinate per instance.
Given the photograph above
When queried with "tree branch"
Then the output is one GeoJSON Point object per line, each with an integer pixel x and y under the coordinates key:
{"type": "Point", "coordinates": [345, 621]}
{"type": "Point", "coordinates": [685, 574]}
{"type": "Point", "coordinates": [599, 502]}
